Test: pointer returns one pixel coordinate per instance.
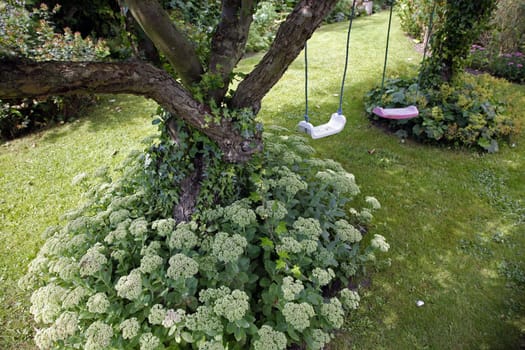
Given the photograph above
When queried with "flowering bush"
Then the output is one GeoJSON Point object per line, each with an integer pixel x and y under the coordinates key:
{"type": "Point", "coordinates": [252, 273]}
{"type": "Point", "coordinates": [510, 66]}
{"type": "Point", "coordinates": [462, 113]}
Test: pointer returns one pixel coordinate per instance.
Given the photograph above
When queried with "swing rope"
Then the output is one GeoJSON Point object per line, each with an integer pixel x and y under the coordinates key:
{"type": "Point", "coordinates": [430, 25]}
{"type": "Point", "coordinates": [340, 109]}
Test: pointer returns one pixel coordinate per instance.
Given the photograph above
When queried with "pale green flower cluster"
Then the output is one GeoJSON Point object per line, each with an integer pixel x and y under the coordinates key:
{"type": "Point", "coordinates": [182, 266]}
{"type": "Point", "coordinates": [163, 226]}
{"type": "Point", "coordinates": [341, 182]}
{"type": "Point", "coordinates": [138, 227]}
{"type": "Point", "coordinates": [55, 245]}
{"type": "Point", "coordinates": [309, 246]}
{"type": "Point", "coordinates": [130, 328]}
{"type": "Point", "coordinates": [346, 232]}
{"type": "Point", "coordinates": [117, 216]}
{"type": "Point", "coordinates": [228, 248]}
{"type": "Point", "coordinates": [148, 341]}
{"type": "Point", "coordinates": [272, 210]}
{"type": "Point", "coordinates": [98, 336]}
{"type": "Point", "coordinates": [119, 233]}
{"type": "Point", "coordinates": [240, 214]}
{"type": "Point", "coordinates": [322, 277]}
{"type": "Point", "coordinates": [291, 288]}
{"type": "Point", "coordinates": [98, 303]}
{"type": "Point", "coordinates": [333, 312]}
{"type": "Point", "coordinates": [232, 306]}
{"type": "Point", "coordinates": [208, 296]}
{"type": "Point", "coordinates": [66, 325]}
{"type": "Point", "coordinates": [183, 237]}
{"type": "Point", "coordinates": [289, 182]}
{"type": "Point", "coordinates": [325, 257]}
{"type": "Point", "coordinates": [77, 225]}
{"type": "Point", "coordinates": [66, 268]}
{"type": "Point", "coordinates": [92, 261]}
{"type": "Point", "coordinates": [46, 302]}
{"type": "Point", "coordinates": [289, 245]}
{"type": "Point", "coordinates": [151, 249]}
{"type": "Point", "coordinates": [309, 227]}
{"type": "Point", "coordinates": [298, 315]}
{"type": "Point", "coordinates": [365, 216]}
{"type": "Point", "coordinates": [379, 242]}
{"type": "Point", "coordinates": [150, 263]}
{"type": "Point", "coordinates": [269, 339]}
{"type": "Point", "coordinates": [350, 299]}
{"type": "Point", "coordinates": [157, 314]}
{"type": "Point", "coordinates": [319, 339]}
{"type": "Point", "coordinates": [204, 320]}
{"type": "Point", "coordinates": [373, 202]}
{"type": "Point", "coordinates": [130, 286]}
{"type": "Point", "coordinates": [74, 297]}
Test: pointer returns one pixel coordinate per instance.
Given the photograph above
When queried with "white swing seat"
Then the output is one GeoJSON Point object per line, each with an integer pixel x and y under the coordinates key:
{"type": "Point", "coordinates": [335, 125]}
{"type": "Point", "coordinates": [396, 113]}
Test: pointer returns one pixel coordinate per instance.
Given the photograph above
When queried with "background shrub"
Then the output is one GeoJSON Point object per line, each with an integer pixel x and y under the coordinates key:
{"type": "Point", "coordinates": [265, 270]}
{"type": "Point", "coordinates": [30, 34]}
{"type": "Point", "coordinates": [462, 113]}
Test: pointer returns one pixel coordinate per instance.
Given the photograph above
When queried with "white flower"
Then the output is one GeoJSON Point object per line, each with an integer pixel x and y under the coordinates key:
{"type": "Point", "coordinates": [333, 312]}
{"type": "Point", "coordinates": [350, 299]}
{"type": "Point", "coordinates": [346, 232]}
{"type": "Point", "coordinates": [290, 288]}
{"type": "Point", "coordinates": [298, 315]}
{"type": "Point", "coordinates": [98, 303]}
{"type": "Point", "coordinates": [138, 227]}
{"type": "Point", "coordinates": [320, 339]}
{"type": "Point", "coordinates": [232, 306]}
{"type": "Point", "coordinates": [373, 202]}
{"type": "Point", "coordinates": [157, 314]}
{"type": "Point", "coordinates": [289, 245]}
{"type": "Point", "coordinates": [228, 248]}
{"type": "Point", "coordinates": [98, 336]}
{"type": "Point", "coordinates": [130, 328]}
{"type": "Point", "coordinates": [379, 242]}
{"type": "Point", "coordinates": [46, 302]}
{"type": "Point", "coordinates": [173, 317]}
{"type": "Point", "coordinates": [308, 227]}
{"type": "Point", "coordinates": [148, 341]}
{"type": "Point", "coordinates": [182, 266]}
{"type": "Point", "coordinates": [341, 182]}
{"type": "Point", "coordinates": [92, 261]}
{"type": "Point", "coordinates": [322, 277]}
{"type": "Point", "coordinates": [273, 210]}
{"type": "Point", "coordinates": [118, 216]}
{"type": "Point", "coordinates": [239, 214]}
{"type": "Point", "coordinates": [163, 226]}
{"type": "Point", "coordinates": [66, 325]}
{"type": "Point", "coordinates": [204, 320]}
{"type": "Point", "coordinates": [150, 263]}
{"type": "Point", "coordinates": [74, 297]}
{"type": "Point", "coordinates": [130, 286]}
{"type": "Point", "coordinates": [183, 237]}
{"type": "Point", "coordinates": [44, 338]}
{"type": "Point", "coordinates": [269, 339]}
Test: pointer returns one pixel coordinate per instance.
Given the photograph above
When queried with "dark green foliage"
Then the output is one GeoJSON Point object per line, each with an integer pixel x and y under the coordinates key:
{"type": "Point", "coordinates": [451, 41]}
{"type": "Point", "coordinates": [463, 113]}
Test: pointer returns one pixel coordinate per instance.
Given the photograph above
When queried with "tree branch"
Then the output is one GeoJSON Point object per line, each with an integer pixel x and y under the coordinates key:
{"type": "Point", "coordinates": [288, 44]}
{"type": "Point", "coordinates": [229, 41]}
{"type": "Point", "coordinates": [20, 79]}
{"type": "Point", "coordinates": [177, 48]}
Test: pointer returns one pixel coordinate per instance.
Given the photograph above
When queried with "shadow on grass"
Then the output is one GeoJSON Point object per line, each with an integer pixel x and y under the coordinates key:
{"type": "Point", "coordinates": [109, 112]}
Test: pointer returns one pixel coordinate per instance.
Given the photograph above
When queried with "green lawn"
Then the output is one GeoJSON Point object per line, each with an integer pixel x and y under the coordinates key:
{"type": "Point", "coordinates": [455, 219]}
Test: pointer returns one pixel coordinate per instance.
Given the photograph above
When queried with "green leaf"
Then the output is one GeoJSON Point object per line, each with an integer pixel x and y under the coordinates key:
{"type": "Point", "coordinates": [281, 228]}
{"type": "Point", "coordinates": [187, 337]}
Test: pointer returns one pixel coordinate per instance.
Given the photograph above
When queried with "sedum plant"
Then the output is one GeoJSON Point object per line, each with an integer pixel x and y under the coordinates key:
{"type": "Point", "coordinates": [264, 270]}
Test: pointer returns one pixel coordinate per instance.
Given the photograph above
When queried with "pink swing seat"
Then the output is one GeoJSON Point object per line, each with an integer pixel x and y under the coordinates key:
{"type": "Point", "coordinates": [396, 113]}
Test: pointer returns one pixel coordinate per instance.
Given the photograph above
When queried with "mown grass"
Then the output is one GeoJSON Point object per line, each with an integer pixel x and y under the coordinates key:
{"type": "Point", "coordinates": [454, 218]}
